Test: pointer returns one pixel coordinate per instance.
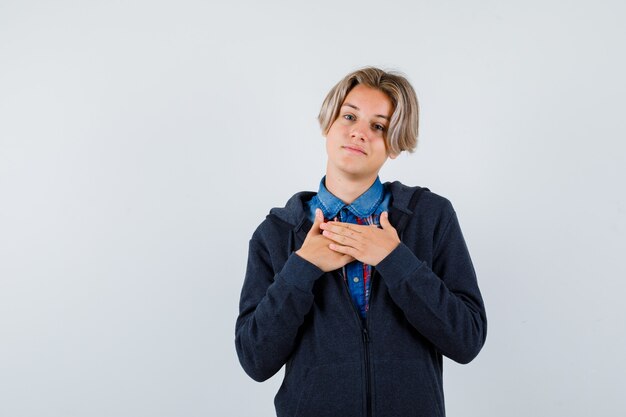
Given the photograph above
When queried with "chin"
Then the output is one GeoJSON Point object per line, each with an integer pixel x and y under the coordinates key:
{"type": "Point", "coordinates": [357, 174]}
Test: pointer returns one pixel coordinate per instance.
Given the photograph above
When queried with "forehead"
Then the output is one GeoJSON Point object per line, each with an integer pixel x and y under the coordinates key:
{"type": "Point", "coordinates": [369, 100]}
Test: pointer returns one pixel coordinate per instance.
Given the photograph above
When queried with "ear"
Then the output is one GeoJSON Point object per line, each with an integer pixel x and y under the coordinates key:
{"type": "Point", "coordinates": [393, 155]}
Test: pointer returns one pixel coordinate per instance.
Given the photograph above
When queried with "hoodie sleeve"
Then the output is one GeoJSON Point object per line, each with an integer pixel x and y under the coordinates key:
{"type": "Point", "coordinates": [443, 302]}
{"type": "Point", "coordinates": [271, 310]}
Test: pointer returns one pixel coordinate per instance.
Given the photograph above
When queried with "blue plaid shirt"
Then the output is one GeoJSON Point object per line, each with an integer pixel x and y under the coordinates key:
{"type": "Point", "coordinates": [366, 209]}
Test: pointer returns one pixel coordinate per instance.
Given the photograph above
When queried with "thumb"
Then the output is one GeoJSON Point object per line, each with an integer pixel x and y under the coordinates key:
{"type": "Point", "coordinates": [319, 218]}
{"type": "Point", "coordinates": [384, 220]}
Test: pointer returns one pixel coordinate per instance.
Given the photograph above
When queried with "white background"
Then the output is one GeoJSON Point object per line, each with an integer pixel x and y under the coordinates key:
{"type": "Point", "coordinates": [141, 142]}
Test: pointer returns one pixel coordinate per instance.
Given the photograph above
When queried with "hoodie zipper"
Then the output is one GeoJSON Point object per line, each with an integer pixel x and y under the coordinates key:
{"type": "Point", "coordinates": [366, 340]}
{"type": "Point", "coordinates": [368, 387]}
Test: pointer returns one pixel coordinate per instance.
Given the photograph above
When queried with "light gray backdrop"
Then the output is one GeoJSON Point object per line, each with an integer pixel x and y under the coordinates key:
{"type": "Point", "coordinates": [141, 142]}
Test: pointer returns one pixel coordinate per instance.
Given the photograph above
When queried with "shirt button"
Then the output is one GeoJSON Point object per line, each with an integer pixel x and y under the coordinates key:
{"type": "Point", "coordinates": [355, 279]}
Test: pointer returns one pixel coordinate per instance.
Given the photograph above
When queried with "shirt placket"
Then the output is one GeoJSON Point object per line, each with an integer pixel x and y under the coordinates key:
{"type": "Point", "coordinates": [355, 272]}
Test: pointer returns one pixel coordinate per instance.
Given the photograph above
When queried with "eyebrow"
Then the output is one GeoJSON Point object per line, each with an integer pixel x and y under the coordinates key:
{"type": "Point", "coordinates": [356, 108]}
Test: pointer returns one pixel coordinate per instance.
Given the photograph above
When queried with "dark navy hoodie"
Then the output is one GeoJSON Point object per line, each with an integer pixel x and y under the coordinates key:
{"type": "Point", "coordinates": [424, 303]}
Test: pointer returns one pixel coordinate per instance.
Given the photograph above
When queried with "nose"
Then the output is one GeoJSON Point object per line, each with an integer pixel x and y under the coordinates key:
{"type": "Point", "coordinates": [359, 132]}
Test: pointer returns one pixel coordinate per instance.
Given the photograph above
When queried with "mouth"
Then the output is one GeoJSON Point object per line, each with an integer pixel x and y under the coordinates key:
{"type": "Point", "coordinates": [354, 149]}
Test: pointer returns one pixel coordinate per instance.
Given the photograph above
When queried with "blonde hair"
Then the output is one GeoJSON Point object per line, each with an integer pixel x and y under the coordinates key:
{"type": "Point", "coordinates": [404, 123]}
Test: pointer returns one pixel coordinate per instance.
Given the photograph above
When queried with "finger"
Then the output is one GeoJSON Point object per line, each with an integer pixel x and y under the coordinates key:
{"type": "Point", "coordinates": [319, 218]}
{"type": "Point", "coordinates": [340, 230]}
{"type": "Point", "coordinates": [341, 238]}
{"type": "Point", "coordinates": [384, 221]}
{"type": "Point", "coordinates": [340, 227]}
{"type": "Point", "coordinates": [347, 250]}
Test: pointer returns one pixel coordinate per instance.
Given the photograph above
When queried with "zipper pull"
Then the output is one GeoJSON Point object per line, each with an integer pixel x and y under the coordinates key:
{"type": "Point", "coordinates": [366, 335]}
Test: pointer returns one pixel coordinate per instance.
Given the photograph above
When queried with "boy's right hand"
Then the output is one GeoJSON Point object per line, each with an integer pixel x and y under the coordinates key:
{"type": "Point", "coordinates": [315, 248]}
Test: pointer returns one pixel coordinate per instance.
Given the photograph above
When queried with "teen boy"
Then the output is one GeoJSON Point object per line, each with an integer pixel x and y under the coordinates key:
{"type": "Point", "coordinates": [361, 288]}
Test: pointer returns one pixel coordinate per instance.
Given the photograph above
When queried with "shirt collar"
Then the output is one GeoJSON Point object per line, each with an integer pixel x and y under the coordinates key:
{"type": "Point", "coordinates": [363, 206]}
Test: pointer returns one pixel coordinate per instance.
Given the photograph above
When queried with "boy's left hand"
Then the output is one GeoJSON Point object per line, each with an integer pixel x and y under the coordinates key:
{"type": "Point", "coordinates": [367, 244]}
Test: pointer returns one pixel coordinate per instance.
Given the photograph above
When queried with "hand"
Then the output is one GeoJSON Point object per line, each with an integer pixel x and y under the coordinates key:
{"type": "Point", "coordinates": [368, 244]}
{"type": "Point", "coordinates": [315, 248]}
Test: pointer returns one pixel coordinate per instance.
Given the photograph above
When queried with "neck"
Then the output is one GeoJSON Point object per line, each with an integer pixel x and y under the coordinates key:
{"type": "Point", "coordinates": [347, 189]}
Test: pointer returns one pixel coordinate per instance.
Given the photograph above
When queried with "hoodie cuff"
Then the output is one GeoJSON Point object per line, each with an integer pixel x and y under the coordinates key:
{"type": "Point", "coordinates": [300, 273]}
{"type": "Point", "coordinates": [398, 265]}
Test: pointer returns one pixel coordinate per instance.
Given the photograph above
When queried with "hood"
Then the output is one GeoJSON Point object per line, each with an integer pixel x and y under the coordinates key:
{"type": "Point", "coordinates": [294, 211]}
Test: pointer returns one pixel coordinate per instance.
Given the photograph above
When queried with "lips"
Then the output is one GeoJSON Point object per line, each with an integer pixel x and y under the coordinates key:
{"type": "Point", "coordinates": [355, 149]}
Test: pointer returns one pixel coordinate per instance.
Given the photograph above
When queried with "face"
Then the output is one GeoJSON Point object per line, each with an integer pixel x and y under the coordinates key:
{"type": "Point", "coordinates": [355, 142]}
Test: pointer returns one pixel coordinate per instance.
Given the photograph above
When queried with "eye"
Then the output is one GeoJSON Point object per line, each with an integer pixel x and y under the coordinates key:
{"type": "Point", "coordinates": [380, 127]}
{"type": "Point", "coordinates": [349, 117]}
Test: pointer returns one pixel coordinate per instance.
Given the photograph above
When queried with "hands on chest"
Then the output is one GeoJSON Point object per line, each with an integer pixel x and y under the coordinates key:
{"type": "Point", "coordinates": [331, 245]}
